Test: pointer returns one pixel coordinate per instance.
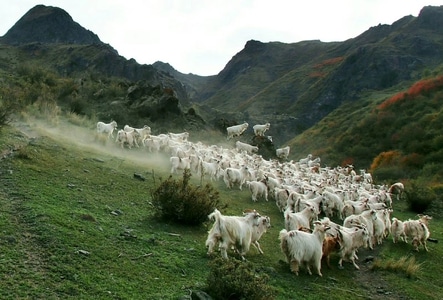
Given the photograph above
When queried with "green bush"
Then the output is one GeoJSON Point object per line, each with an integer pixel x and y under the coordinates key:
{"type": "Point", "coordinates": [234, 279]}
{"type": "Point", "coordinates": [181, 202]}
{"type": "Point", "coordinates": [77, 105]}
{"type": "Point", "coordinates": [7, 109]}
{"type": "Point", "coordinates": [388, 173]}
{"type": "Point", "coordinates": [419, 197]}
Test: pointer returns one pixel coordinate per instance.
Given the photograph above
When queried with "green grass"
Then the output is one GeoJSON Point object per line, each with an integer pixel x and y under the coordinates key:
{"type": "Point", "coordinates": [76, 224]}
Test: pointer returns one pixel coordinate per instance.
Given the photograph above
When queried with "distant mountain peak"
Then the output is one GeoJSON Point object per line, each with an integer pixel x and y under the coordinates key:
{"type": "Point", "coordinates": [49, 25]}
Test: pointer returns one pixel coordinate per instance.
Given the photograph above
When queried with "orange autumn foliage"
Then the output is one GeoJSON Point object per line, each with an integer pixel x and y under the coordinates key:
{"type": "Point", "coordinates": [418, 88]}
{"type": "Point", "coordinates": [328, 62]}
{"type": "Point", "coordinates": [387, 158]}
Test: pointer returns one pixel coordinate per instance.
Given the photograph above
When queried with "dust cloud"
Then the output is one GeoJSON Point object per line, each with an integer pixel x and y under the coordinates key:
{"type": "Point", "coordinates": [85, 136]}
{"type": "Point", "coordinates": [89, 140]}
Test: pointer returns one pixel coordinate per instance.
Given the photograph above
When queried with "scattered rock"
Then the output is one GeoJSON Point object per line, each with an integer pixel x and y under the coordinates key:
{"type": "Point", "coordinates": [116, 212]}
{"type": "Point", "coordinates": [200, 295]}
{"type": "Point", "coordinates": [369, 259]}
{"type": "Point", "coordinates": [84, 252]}
{"type": "Point", "coordinates": [139, 177]}
{"type": "Point", "coordinates": [128, 234]}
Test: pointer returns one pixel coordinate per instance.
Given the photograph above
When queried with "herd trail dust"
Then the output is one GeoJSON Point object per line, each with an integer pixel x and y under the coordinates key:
{"type": "Point", "coordinates": [89, 140]}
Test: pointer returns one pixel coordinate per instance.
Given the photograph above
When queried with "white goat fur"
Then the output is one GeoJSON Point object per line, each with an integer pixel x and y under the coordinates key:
{"type": "Point", "coordinates": [236, 130]}
{"type": "Point", "coordinates": [125, 137]}
{"type": "Point", "coordinates": [259, 130]}
{"type": "Point", "coordinates": [351, 239]}
{"type": "Point", "coordinates": [106, 128]}
{"type": "Point", "coordinates": [178, 163]}
{"type": "Point", "coordinates": [234, 176]}
{"type": "Point", "coordinates": [302, 248]}
{"type": "Point", "coordinates": [418, 231]}
{"type": "Point", "coordinates": [246, 147]}
{"type": "Point", "coordinates": [283, 153]}
{"type": "Point", "coordinates": [258, 190]}
{"type": "Point", "coordinates": [231, 231]}
{"type": "Point", "coordinates": [295, 220]}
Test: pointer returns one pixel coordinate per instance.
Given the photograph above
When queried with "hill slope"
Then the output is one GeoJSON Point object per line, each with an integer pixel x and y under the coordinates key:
{"type": "Point", "coordinates": [296, 85]}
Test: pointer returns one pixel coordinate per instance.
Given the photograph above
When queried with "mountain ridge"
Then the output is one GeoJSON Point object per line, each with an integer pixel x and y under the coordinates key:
{"type": "Point", "coordinates": [292, 86]}
{"type": "Point", "coordinates": [48, 24]}
{"type": "Point", "coordinates": [309, 79]}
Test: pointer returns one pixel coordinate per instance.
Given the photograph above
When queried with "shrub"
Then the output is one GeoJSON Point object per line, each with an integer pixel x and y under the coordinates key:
{"type": "Point", "coordinates": [419, 197]}
{"type": "Point", "coordinates": [389, 173]}
{"type": "Point", "coordinates": [180, 201]}
{"type": "Point", "coordinates": [77, 106]}
{"type": "Point", "coordinates": [240, 281]}
{"type": "Point", "coordinates": [7, 109]}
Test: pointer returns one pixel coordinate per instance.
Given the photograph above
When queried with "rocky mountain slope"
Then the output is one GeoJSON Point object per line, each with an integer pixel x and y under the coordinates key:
{"type": "Point", "coordinates": [292, 86]}
{"type": "Point", "coordinates": [47, 36]}
{"type": "Point", "coordinates": [296, 85]}
{"type": "Point", "coordinates": [48, 25]}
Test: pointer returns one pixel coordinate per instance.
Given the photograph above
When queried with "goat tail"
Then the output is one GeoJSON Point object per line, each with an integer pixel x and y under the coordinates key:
{"type": "Point", "coordinates": [283, 234]}
{"type": "Point", "coordinates": [215, 215]}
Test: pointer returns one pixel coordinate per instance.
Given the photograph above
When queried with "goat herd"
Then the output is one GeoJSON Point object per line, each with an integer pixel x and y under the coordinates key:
{"type": "Point", "coordinates": [309, 197]}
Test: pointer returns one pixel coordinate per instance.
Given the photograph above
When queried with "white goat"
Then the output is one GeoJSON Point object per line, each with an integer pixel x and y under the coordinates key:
{"type": "Point", "coordinates": [233, 176]}
{"type": "Point", "coordinates": [397, 230]}
{"type": "Point", "coordinates": [259, 130]}
{"type": "Point", "coordinates": [366, 218]}
{"type": "Point", "coordinates": [178, 163]}
{"type": "Point", "coordinates": [302, 248]}
{"type": "Point", "coordinates": [236, 130]}
{"type": "Point", "coordinates": [211, 169]}
{"type": "Point", "coordinates": [181, 137]}
{"type": "Point", "coordinates": [418, 231]}
{"type": "Point", "coordinates": [397, 189]}
{"type": "Point", "coordinates": [351, 239]}
{"type": "Point", "coordinates": [283, 153]}
{"type": "Point", "coordinates": [332, 202]}
{"type": "Point", "coordinates": [264, 223]}
{"type": "Point", "coordinates": [125, 137]}
{"type": "Point", "coordinates": [258, 189]}
{"type": "Point", "coordinates": [231, 231]}
{"type": "Point", "coordinates": [142, 133]}
{"type": "Point", "coordinates": [246, 147]}
{"type": "Point", "coordinates": [281, 198]}
{"type": "Point", "coordinates": [296, 220]}
{"type": "Point", "coordinates": [106, 128]}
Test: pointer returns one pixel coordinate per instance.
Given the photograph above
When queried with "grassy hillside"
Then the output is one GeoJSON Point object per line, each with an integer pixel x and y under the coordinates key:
{"type": "Point", "coordinates": [397, 135]}
{"type": "Point", "coordinates": [76, 224]}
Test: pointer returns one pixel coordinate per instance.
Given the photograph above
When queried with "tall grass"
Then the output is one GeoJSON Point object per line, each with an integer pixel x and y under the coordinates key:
{"type": "Point", "coordinates": [403, 265]}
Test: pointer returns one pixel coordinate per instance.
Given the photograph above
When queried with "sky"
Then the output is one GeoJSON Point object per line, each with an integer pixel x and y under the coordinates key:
{"type": "Point", "coordinates": [201, 36]}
